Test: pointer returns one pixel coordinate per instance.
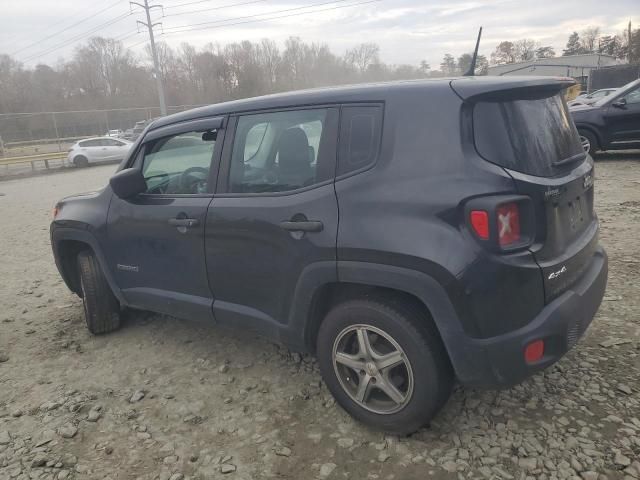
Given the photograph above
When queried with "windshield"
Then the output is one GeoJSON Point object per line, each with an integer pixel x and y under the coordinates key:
{"type": "Point", "coordinates": [533, 135]}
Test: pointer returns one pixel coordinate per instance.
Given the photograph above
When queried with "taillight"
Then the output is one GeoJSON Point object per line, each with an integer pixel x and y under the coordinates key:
{"type": "Point", "coordinates": [480, 223]}
{"type": "Point", "coordinates": [501, 223]}
{"type": "Point", "coordinates": [508, 216]}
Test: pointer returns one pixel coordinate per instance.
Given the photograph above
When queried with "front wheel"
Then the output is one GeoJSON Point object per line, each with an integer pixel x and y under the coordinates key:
{"type": "Point", "coordinates": [384, 363]}
{"type": "Point", "coordinates": [101, 307]}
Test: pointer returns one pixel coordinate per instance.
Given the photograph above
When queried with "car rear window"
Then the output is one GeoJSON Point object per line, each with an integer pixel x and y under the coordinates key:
{"type": "Point", "coordinates": [533, 135]}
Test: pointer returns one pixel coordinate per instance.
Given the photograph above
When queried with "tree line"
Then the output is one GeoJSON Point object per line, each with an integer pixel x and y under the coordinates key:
{"type": "Point", "coordinates": [103, 74]}
{"type": "Point", "coordinates": [623, 46]}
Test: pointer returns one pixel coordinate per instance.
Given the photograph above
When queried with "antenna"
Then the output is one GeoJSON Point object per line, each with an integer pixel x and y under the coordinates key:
{"type": "Point", "coordinates": [472, 67]}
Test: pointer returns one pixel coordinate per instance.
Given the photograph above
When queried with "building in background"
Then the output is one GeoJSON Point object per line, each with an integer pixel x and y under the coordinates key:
{"type": "Point", "coordinates": [579, 67]}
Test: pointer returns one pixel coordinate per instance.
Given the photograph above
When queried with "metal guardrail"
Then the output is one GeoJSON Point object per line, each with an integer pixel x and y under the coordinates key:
{"type": "Point", "coordinates": [43, 157]}
{"type": "Point", "coordinates": [52, 141]}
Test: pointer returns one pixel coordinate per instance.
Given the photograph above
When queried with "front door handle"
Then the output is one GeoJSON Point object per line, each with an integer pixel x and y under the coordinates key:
{"type": "Point", "coordinates": [184, 222]}
{"type": "Point", "coordinates": [307, 226]}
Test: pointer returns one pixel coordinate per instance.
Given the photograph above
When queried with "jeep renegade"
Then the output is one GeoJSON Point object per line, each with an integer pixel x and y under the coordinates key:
{"type": "Point", "coordinates": [407, 233]}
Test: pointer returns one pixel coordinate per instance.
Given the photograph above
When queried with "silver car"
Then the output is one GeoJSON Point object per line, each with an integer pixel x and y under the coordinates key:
{"type": "Point", "coordinates": [593, 97]}
{"type": "Point", "coordinates": [98, 149]}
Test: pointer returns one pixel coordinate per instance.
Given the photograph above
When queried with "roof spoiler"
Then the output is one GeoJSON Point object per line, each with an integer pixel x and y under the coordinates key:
{"type": "Point", "coordinates": [469, 87]}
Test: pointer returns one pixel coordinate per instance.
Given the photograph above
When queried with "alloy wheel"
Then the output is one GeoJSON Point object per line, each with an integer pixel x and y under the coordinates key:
{"type": "Point", "coordinates": [586, 144]}
{"type": "Point", "coordinates": [373, 369]}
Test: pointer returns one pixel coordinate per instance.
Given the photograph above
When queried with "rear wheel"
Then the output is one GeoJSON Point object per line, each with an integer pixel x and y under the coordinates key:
{"type": "Point", "coordinates": [101, 307]}
{"type": "Point", "coordinates": [81, 161]}
{"type": "Point", "coordinates": [384, 364]}
{"type": "Point", "coordinates": [589, 141]}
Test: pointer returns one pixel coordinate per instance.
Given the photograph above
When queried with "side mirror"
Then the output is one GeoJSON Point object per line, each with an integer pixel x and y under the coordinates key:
{"type": "Point", "coordinates": [622, 103]}
{"type": "Point", "coordinates": [128, 183]}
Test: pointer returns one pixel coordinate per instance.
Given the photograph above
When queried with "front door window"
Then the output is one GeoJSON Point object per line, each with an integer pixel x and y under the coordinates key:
{"type": "Point", "coordinates": [179, 164]}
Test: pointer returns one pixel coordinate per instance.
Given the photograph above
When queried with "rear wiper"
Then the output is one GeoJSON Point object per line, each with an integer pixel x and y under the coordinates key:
{"type": "Point", "coordinates": [571, 159]}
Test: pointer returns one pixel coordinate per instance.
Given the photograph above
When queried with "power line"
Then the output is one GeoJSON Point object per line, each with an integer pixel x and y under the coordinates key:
{"type": "Point", "coordinates": [218, 24]}
{"type": "Point", "coordinates": [124, 36]}
{"type": "Point", "coordinates": [66, 28]}
{"type": "Point", "coordinates": [61, 22]}
{"type": "Point", "coordinates": [77, 37]}
{"type": "Point", "coordinates": [215, 8]}
{"type": "Point", "coordinates": [186, 3]}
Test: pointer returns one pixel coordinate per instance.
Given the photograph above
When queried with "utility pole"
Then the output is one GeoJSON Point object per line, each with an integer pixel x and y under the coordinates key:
{"type": "Point", "coordinates": [154, 53]}
{"type": "Point", "coordinates": [629, 43]}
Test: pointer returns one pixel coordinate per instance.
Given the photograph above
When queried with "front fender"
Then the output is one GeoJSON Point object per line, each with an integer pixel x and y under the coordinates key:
{"type": "Point", "coordinates": [61, 234]}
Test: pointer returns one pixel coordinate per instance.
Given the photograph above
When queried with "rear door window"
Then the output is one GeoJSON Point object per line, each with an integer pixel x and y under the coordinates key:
{"type": "Point", "coordinates": [283, 151]}
{"type": "Point", "coordinates": [91, 143]}
{"type": "Point", "coordinates": [533, 135]}
{"type": "Point", "coordinates": [360, 130]}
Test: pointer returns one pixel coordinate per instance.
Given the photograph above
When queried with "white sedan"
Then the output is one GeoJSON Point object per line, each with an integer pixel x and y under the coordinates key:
{"type": "Point", "coordinates": [99, 149]}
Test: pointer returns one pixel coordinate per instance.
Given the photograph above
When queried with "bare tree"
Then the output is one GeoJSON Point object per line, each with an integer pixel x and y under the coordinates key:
{"type": "Point", "coordinates": [524, 49]}
{"type": "Point", "coordinates": [269, 58]}
{"type": "Point", "coordinates": [589, 39]}
{"type": "Point", "coordinates": [362, 56]}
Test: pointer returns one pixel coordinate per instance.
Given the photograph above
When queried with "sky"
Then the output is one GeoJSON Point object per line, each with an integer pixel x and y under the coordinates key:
{"type": "Point", "coordinates": [408, 31]}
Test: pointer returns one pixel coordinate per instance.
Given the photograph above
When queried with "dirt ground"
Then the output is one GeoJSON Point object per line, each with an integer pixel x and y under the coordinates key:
{"type": "Point", "coordinates": [169, 399]}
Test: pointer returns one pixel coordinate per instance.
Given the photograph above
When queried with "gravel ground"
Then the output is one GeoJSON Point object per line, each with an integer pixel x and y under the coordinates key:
{"type": "Point", "coordinates": [168, 399]}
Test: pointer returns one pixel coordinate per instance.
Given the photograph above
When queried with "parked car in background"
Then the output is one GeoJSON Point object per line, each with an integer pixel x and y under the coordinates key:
{"type": "Point", "coordinates": [114, 133]}
{"type": "Point", "coordinates": [611, 123]}
{"type": "Point", "coordinates": [98, 149]}
{"type": "Point", "coordinates": [407, 233]}
{"type": "Point", "coordinates": [591, 98]}
{"type": "Point", "coordinates": [128, 134]}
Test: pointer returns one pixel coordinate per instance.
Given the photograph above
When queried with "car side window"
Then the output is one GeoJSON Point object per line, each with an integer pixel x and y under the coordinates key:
{"type": "Point", "coordinates": [282, 151]}
{"type": "Point", "coordinates": [360, 131]}
{"type": "Point", "coordinates": [179, 164]}
{"type": "Point", "coordinates": [110, 142]}
{"type": "Point", "coordinates": [633, 96]}
{"type": "Point", "coordinates": [91, 143]}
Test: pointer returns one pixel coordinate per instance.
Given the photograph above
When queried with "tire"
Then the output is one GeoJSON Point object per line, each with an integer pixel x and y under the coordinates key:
{"type": "Point", "coordinates": [589, 141]}
{"type": "Point", "coordinates": [101, 307]}
{"type": "Point", "coordinates": [80, 161]}
{"type": "Point", "coordinates": [420, 348]}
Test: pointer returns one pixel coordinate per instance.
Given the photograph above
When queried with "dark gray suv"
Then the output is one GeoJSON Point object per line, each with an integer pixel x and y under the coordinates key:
{"type": "Point", "coordinates": [407, 233]}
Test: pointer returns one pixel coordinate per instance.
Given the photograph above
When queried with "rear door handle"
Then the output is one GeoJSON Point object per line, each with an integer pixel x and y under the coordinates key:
{"type": "Point", "coordinates": [184, 222]}
{"type": "Point", "coordinates": [311, 226]}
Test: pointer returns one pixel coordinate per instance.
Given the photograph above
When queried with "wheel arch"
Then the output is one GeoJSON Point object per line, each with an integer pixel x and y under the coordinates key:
{"type": "Point", "coordinates": [361, 279]}
{"type": "Point", "coordinates": [593, 130]}
{"type": "Point", "coordinates": [67, 244]}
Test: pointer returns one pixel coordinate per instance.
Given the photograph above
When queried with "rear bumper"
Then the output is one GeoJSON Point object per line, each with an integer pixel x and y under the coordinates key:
{"type": "Point", "coordinates": [499, 361]}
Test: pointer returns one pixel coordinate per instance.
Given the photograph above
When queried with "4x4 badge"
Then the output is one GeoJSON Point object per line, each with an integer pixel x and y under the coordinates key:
{"type": "Point", "coordinates": [558, 273]}
{"type": "Point", "coordinates": [588, 180]}
{"type": "Point", "coordinates": [128, 268]}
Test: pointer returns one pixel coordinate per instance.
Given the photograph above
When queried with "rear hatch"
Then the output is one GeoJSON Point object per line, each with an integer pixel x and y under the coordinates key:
{"type": "Point", "coordinates": [525, 127]}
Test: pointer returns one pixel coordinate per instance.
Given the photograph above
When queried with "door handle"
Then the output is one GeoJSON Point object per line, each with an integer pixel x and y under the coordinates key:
{"type": "Point", "coordinates": [184, 222]}
{"type": "Point", "coordinates": [311, 226]}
